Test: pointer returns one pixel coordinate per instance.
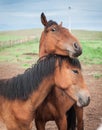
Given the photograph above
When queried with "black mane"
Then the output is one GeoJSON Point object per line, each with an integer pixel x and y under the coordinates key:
{"type": "Point", "coordinates": [21, 86]}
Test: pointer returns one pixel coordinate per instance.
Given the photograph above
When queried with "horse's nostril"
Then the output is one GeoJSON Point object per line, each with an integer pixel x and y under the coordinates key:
{"type": "Point", "coordinates": [88, 99]}
{"type": "Point", "coordinates": [76, 46]}
{"type": "Point", "coordinates": [77, 49]}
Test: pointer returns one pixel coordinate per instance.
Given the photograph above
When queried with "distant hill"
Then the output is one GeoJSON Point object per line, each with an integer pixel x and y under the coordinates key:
{"type": "Point", "coordinates": [82, 35]}
{"type": "Point", "coordinates": [88, 35]}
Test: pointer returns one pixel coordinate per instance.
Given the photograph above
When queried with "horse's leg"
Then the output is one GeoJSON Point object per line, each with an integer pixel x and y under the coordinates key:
{"type": "Point", "coordinates": [62, 123]}
{"type": "Point", "coordinates": [79, 115]}
{"type": "Point", "coordinates": [40, 125]}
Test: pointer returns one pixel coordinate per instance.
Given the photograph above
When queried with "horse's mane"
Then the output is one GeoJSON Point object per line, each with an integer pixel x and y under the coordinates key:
{"type": "Point", "coordinates": [21, 86]}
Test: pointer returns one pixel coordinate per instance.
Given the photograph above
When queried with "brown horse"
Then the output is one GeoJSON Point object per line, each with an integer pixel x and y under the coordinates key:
{"type": "Point", "coordinates": [20, 96]}
{"type": "Point", "coordinates": [54, 39]}
{"type": "Point", "coordinates": [55, 109]}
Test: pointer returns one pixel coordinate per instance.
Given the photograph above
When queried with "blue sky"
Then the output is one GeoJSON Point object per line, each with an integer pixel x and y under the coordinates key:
{"type": "Point", "coordinates": [25, 14]}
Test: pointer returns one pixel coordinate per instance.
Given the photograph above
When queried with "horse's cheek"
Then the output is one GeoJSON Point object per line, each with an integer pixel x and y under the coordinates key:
{"type": "Point", "coordinates": [49, 46]}
{"type": "Point", "coordinates": [67, 78]}
{"type": "Point", "coordinates": [63, 80]}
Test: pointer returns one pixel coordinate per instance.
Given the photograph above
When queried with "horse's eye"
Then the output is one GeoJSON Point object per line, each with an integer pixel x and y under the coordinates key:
{"type": "Point", "coordinates": [75, 71]}
{"type": "Point", "coordinates": [53, 29]}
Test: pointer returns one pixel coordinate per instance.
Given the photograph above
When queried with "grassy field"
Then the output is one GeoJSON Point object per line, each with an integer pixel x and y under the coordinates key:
{"type": "Point", "coordinates": [91, 43]}
{"type": "Point", "coordinates": [84, 35]}
{"type": "Point", "coordinates": [19, 34]}
{"type": "Point", "coordinates": [22, 54]}
{"type": "Point", "coordinates": [92, 52]}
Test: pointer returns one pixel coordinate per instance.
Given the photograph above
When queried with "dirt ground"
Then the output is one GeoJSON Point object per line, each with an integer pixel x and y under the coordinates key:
{"type": "Point", "coordinates": [92, 113]}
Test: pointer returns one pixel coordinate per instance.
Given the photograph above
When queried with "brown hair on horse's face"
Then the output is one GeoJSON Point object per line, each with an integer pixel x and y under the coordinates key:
{"type": "Point", "coordinates": [56, 39]}
{"type": "Point", "coordinates": [71, 80]}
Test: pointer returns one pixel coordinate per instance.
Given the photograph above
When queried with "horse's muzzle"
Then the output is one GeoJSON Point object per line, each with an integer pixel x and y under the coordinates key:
{"type": "Point", "coordinates": [83, 99]}
{"type": "Point", "coordinates": [84, 103]}
{"type": "Point", "coordinates": [77, 53]}
{"type": "Point", "coordinates": [77, 50]}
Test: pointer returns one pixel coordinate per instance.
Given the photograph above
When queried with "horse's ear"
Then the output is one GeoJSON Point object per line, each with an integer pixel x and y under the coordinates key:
{"type": "Point", "coordinates": [43, 19]}
{"type": "Point", "coordinates": [60, 24]}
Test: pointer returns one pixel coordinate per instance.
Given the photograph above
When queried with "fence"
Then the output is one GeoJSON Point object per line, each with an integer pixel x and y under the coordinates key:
{"type": "Point", "coordinates": [10, 43]}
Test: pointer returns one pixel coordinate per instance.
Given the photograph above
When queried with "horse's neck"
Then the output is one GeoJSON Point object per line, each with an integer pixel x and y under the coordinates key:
{"type": "Point", "coordinates": [42, 51]}
{"type": "Point", "coordinates": [40, 94]}
{"type": "Point", "coordinates": [64, 99]}
{"type": "Point", "coordinates": [55, 94]}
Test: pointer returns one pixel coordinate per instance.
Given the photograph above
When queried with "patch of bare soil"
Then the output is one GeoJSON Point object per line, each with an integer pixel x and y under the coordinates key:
{"type": "Point", "coordinates": [31, 54]}
{"type": "Point", "coordinates": [92, 113]}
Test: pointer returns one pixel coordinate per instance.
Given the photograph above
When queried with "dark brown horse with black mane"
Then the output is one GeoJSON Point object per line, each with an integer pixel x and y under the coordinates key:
{"type": "Point", "coordinates": [59, 40]}
{"type": "Point", "coordinates": [20, 96]}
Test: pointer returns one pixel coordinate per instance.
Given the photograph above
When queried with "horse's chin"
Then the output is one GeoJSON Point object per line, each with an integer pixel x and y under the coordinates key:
{"type": "Point", "coordinates": [70, 52]}
{"type": "Point", "coordinates": [73, 54]}
{"type": "Point", "coordinates": [78, 104]}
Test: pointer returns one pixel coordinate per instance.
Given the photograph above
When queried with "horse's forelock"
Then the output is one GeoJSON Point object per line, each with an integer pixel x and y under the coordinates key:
{"type": "Point", "coordinates": [50, 23]}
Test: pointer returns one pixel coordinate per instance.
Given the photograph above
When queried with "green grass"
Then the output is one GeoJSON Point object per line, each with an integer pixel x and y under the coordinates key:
{"type": "Point", "coordinates": [92, 46]}
{"type": "Point", "coordinates": [8, 38]}
{"type": "Point", "coordinates": [20, 53]}
{"type": "Point", "coordinates": [91, 43]}
{"type": "Point", "coordinates": [92, 52]}
{"type": "Point", "coordinates": [97, 76]}
{"type": "Point", "coordinates": [84, 35]}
